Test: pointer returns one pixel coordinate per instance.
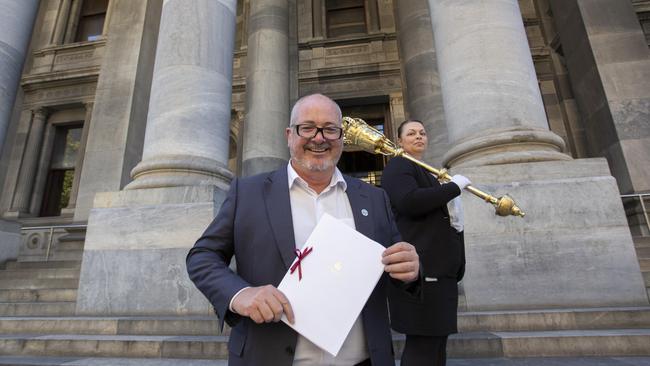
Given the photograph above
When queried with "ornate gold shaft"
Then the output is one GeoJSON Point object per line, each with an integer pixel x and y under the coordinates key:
{"type": "Point", "coordinates": [358, 133]}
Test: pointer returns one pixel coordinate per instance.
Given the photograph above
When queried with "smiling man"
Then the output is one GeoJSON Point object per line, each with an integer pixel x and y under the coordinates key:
{"type": "Point", "coordinates": [266, 217]}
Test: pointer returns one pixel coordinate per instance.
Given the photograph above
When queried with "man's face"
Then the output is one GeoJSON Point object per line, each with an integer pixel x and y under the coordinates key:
{"type": "Point", "coordinates": [316, 154]}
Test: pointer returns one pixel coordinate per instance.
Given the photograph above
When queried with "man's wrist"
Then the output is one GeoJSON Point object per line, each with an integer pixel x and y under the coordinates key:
{"type": "Point", "coordinates": [232, 301]}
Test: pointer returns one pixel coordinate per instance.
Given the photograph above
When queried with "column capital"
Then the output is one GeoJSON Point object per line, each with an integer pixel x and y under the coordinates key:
{"type": "Point", "coordinates": [41, 112]}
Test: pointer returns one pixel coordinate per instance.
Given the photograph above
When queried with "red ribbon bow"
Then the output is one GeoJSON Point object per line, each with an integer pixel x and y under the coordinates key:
{"type": "Point", "coordinates": [301, 256]}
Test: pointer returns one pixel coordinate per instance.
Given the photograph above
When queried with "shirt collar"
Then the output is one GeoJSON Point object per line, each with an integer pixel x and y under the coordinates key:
{"type": "Point", "coordinates": [337, 178]}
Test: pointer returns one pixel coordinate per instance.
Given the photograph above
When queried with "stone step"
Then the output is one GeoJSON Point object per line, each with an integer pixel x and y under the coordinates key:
{"type": "Point", "coordinates": [646, 278]}
{"type": "Point", "coordinates": [502, 361]}
{"type": "Point", "coordinates": [555, 319]}
{"type": "Point", "coordinates": [546, 320]}
{"type": "Point", "coordinates": [643, 252]}
{"type": "Point", "coordinates": [566, 343]}
{"type": "Point", "coordinates": [104, 361]}
{"type": "Point", "coordinates": [614, 342]}
{"type": "Point", "coordinates": [194, 347]}
{"type": "Point", "coordinates": [10, 309]}
{"type": "Point", "coordinates": [51, 264]}
{"type": "Point", "coordinates": [40, 273]}
{"type": "Point", "coordinates": [69, 245]}
{"type": "Point", "coordinates": [38, 283]}
{"type": "Point", "coordinates": [67, 255]}
{"type": "Point", "coordinates": [44, 295]}
{"type": "Point", "coordinates": [173, 326]}
{"type": "Point", "coordinates": [644, 264]}
{"type": "Point", "coordinates": [641, 240]}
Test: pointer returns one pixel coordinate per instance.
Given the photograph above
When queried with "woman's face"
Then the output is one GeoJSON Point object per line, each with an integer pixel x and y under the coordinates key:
{"type": "Point", "coordinates": [413, 138]}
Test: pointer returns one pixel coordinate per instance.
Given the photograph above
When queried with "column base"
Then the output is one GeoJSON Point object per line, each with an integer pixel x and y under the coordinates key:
{"type": "Point", "coordinates": [260, 165]}
{"type": "Point", "coordinates": [179, 170]}
{"type": "Point", "coordinates": [506, 147]}
{"type": "Point", "coordinates": [573, 248]}
{"type": "Point", "coordinates": [135, 248]}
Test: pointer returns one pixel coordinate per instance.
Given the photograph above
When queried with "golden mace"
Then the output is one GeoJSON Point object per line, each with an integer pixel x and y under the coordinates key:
{"type": "Point", "coordinates": [358, 133]}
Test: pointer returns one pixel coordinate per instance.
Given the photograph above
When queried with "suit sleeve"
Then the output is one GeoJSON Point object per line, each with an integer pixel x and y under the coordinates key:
{"type": "Point", "coordinates": [406, 195]}
{"type": "Point", "coordinates": [208, 261]}
{"type": "Point", "coordinates": [395, 235]}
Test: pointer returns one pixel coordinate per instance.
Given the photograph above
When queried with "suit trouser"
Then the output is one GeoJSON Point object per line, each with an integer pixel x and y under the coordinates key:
{"type": "Point", "coordinates": [424, 351]}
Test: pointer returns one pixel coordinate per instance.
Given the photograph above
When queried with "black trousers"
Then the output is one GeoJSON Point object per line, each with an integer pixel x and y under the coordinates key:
{"type": "Point", "coordinates": [424, 351]}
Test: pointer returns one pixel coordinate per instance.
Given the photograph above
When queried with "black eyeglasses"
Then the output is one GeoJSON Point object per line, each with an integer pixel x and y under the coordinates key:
{"type": "Point", "coordinates": [310, 131]}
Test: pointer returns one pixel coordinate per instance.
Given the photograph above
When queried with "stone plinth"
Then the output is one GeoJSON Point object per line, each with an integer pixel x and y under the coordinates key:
{"type": "Point", "coordinates": [134, 255]}
{"type": "Point", "coordinates": [573, 248]}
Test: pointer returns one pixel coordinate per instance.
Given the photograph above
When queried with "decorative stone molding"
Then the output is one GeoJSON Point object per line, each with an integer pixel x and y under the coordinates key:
{"type": "Point", "coordinates": [68, 57]}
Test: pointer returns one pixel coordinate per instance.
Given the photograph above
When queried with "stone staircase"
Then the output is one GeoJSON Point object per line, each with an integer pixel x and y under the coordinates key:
{"type": "Point", "coordinates": [38, 327]}
{"type": "Point", "coordinates": [642, 245]}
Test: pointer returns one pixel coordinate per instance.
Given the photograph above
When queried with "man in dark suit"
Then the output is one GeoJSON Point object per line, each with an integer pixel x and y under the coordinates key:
{"type": "Point", "coordinates": [266, 217]}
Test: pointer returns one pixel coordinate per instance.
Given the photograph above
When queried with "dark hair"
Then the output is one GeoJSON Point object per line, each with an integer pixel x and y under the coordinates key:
{"type": "Point", "coordinates": [401, 125]}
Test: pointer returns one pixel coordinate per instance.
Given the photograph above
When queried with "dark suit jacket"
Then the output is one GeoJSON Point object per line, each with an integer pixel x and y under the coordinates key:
{"type": "Point", "coordinates": [419, 202]}
{"type": "Point", "coordinates": [254, 224]}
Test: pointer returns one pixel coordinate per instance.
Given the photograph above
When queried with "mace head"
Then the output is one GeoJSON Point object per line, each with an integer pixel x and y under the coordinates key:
{"type": "Point", "coordinates": [506, 206]}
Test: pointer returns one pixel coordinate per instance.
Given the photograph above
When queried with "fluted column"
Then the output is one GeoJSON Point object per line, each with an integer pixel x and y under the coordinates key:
{"type": "Point", "coordinates": [16, 23]}
{"type": "Point", "coordinates": [27, 176]}
{"type": "Point", "coordinates": [493, 106]}
{"type": "Point", "coordinates": [186, 140]}
{"type": "Point", "coordinates": [423, 95]}
{"type": "Point", "coordinates": [267, 87]}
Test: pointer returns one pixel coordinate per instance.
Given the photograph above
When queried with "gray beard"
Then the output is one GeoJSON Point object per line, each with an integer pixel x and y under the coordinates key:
{"type": "Point", "coordinates": [320, 167]}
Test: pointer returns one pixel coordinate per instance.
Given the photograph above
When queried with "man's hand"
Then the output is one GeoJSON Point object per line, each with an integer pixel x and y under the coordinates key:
{"type": "Point", "coordinates": [401, 261]}
{"type": "Point", "coordinates": [263, 304]}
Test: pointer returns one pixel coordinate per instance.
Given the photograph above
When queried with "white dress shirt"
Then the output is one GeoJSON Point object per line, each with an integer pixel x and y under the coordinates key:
{"type": "Point", "coordinates": [307, 207]}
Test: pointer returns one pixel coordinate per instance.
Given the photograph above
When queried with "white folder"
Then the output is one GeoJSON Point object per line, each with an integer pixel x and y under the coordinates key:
{"type": "Point", "coordinates": [338, 277]}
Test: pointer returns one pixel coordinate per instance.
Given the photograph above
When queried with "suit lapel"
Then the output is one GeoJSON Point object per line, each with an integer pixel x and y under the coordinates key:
{"type": "Point", "coordinates": [276, 200]}
{"type": "Point", "coordinates": [360, 204]}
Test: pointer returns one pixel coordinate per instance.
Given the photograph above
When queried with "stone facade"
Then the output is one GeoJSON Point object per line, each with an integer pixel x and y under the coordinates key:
{"type": "Point", "coordinates": [169, 111]}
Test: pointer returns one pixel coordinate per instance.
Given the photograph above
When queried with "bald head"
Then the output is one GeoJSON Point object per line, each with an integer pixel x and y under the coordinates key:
{"type": "Point", "coordinates": [313, 98]}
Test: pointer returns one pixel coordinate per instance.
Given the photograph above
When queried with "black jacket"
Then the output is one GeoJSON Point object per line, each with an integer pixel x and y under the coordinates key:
{"type": "Point", "coordinates": [419, 203]}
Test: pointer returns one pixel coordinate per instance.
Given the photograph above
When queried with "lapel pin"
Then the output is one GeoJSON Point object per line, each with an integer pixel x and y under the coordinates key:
{"type": "Point", "coordinates": [364, 212]}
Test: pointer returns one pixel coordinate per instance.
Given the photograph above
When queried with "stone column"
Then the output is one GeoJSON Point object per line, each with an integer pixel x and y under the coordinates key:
{"type": "Point", "coordinates": [609, 66]}
{"type": "Point", "coordinates": [121, 102]}
{"type": "Point", "coordinates": [16, 23]}
{"type": "Point", "coordinates": [573, 248]}
{"type": "Point", "coordinates": [492, 102]}
{"type": "Point", "coordinates": [267, 87]}
{"type": "Point", "coordinates": [62, 22]}
{"type": "Point", "coordinates": [179, 185]}
{"type": "Point", "coordinates": [73, 21]}
{"type": "Point", "coordinates": [423, 96]}
{"type": "Point", "coordinates": [27, 175]}
{"type": "Point", "coordinates": [187, 136]}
